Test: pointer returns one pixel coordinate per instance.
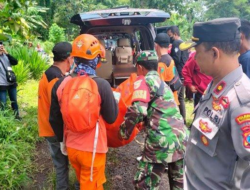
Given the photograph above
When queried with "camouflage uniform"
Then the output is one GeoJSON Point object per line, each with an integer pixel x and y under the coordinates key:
{"type": "Point", "coordinates": [166, 136]}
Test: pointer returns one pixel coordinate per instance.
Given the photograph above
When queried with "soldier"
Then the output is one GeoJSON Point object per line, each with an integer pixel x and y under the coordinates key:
{"type": "Point", "coordinates": [153, 103]}
{"type": "Point", "coordinates": [220, 136]}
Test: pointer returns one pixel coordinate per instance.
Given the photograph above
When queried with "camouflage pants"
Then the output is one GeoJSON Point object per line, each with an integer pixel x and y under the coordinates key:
{"type": "Point", "coordinates": [148, 176]}
{"type": "Point", "coordinates": [175, 175]}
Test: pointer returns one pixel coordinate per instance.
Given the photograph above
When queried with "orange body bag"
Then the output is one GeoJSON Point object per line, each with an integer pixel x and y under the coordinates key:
{"type": "Point", "coordinates": [126, 89]}
{"type": "Point", "coordinates": [80, 104]}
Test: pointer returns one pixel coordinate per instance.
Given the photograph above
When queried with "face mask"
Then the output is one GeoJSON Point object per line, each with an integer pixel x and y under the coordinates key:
{"type": "Point", "coordinates": [72, 66]}
{"type": "Point", "coordinates": [171, 40]}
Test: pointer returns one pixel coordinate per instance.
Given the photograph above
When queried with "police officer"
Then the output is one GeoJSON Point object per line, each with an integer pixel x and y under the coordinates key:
{"type": "Point", "coordinates": [153, 102]}
{"type": "Point", "coordinates": [220, 136]}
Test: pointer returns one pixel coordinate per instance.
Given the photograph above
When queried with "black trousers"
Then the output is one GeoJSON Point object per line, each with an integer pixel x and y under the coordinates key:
{"type": "Point", "coordinates": [181, 99]}
{"type": "Point", "coordinates": [197, 98]}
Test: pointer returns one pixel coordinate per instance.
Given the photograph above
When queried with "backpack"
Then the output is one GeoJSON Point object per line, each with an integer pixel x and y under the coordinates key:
{"type": "Point", "coordinates": [80, 104]}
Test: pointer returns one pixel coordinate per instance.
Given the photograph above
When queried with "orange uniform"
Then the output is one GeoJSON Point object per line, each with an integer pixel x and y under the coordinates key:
{"type": "Point", "coordinates": [78, 109]}
{"type": "Point", "coordinates": [80, 146]}
{"type": "Point", "coordinates": [44, 99]}
{"type": "Point", "coordinates": [166, 70]}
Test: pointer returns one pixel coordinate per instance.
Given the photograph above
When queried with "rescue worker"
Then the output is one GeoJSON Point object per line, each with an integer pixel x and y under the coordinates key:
{"type": "Point", "coordinates": [86, 149]}
{"type": "Point", "coordinates": [61, 65]}
{"type": "Point", "coordinates": [244, 57]}
{"type": "Point", "coordinates": [180, 58]}
{"type": "Point", "coordinates": [166, 66]}
{"type": "Point", "coordinates": [219, 144]}
{"type": "Point", "coordinates": [153, 102]}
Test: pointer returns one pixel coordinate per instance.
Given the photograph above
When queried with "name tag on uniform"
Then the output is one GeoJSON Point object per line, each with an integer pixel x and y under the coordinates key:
{"type": "Point", "coordinates": [206, 127]}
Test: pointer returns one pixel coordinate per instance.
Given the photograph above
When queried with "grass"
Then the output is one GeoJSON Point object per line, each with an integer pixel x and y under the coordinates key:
{"type": "Point", "coordinates": [18, 139]}
{"type": "Point", "coordinates": [189, 111]}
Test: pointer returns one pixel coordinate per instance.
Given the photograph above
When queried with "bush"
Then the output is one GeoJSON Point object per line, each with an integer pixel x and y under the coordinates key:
{"type": "Point", "coordinates": [37, 64]}
{"type": "Point", "coordinates": [31, 59]}
{"type": "Point", "coordinates": [48, 46]}
{"type": "Point", "coordinates": [22, 72]}
{"type": "Point", "coordinates": [56, 34]}
{"type": "Point", "coordinates": [16, 144]}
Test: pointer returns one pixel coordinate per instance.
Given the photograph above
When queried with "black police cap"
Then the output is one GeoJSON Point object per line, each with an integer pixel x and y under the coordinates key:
{"type": "Point", "coordinates": [217, 30]}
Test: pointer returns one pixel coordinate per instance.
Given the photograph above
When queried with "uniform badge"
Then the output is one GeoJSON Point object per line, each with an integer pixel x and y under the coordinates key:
{"type": "Point", "coordinates": [137, 84]}
{"type": "Point", "coordinates": [79, 44]}
{"type": "Point", "coordinates": [219, 87]}
{"type": "Point", "coordinates": [243, 118]}
{"type": "Point", "coordinates": [204, 127]}
{"type": "Point", "coordinates": [224, 101]}
{"type": "Point", "coordinates": [215, 104]}
{"type": "Point", "coordinates": [246, 136]}
{"type": "Point", "coordinates": [141, 90]}
{"type": "Point", "coordinates": [204, 140]}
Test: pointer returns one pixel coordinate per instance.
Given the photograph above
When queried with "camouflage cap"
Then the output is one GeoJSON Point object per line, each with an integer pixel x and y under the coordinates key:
{"type": "Point", "coordinates": [147, 55]}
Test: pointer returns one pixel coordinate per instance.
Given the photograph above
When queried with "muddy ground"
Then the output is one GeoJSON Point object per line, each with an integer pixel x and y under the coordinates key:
{"type": "Point", "coordinates": [122, 164]}
{"type": "Point", "coordinates": [120, 168]}
{"type": "Point", "coordinates": [43, 168]}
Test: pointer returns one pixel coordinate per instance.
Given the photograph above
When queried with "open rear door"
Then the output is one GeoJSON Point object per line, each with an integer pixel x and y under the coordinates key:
{"type": "Point", "coordinates": [119, 17]}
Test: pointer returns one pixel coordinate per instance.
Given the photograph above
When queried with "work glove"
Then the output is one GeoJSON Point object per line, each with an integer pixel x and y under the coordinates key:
{"type": "Point", "coordinates": [63, 148]}
{"type": "Point", "coordinates": [117, 96]}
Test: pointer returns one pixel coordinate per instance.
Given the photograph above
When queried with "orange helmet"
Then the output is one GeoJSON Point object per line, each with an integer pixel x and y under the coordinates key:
{"type": "Point", "coordinates": [88, 47]}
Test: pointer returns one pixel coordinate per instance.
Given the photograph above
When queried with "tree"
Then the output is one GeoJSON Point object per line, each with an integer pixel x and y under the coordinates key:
{"type": "Point", "coordinates": [228, 8]}
{"type": "Point", "coordinates": [56, 34]}
{"type": "Point", "coordinates": [16, 19]}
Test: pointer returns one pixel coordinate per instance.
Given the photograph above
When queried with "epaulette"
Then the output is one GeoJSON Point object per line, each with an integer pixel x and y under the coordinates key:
{"type": "Point", "coordinates": [242, 90]}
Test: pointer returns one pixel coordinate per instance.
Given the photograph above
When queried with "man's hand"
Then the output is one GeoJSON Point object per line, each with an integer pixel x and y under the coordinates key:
{"type": "Point", "coordinates": [2, 50]}
{"type": "Point", "coordinates": [122, 132]}
{"type": "Point", "coordinates": [63, 148]}
{"type": "Point", "coordinates": [192, 89]}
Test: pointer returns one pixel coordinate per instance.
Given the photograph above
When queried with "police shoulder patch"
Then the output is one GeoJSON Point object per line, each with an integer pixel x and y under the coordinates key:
{"type": "Point", "coordinates": [246, 136]}
{"type": "Point", "coordinates": [243, 118]}
{"type": "Point", "coordinates": [141, 90]}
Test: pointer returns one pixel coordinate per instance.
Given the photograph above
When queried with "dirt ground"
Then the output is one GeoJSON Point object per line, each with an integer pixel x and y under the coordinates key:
{"type": "Point", "coordinates": [120, 169]}
{"type": "Point", "coordinates": [122, 164]}
{"type": "Point", "coordinates": [43, 167]}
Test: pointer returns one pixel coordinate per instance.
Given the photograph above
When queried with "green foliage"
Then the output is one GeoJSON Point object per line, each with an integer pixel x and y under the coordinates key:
{"type": "Point", "coordinates": [37, 65]}
{"type": "Point", "coordinates": [18, 138]}
{"type": "Point", "coordinates": [19, 18]}
{"type": "Point", "coordinates": [56, 33]}
{"type": "Point", "coordinates": [22, 72]}
{"type": "Point", "coordinates": [228, 8]}
{"type": "Point", "coordinates": [16, 144]}
{"type": "Point", "coordinates": [31, 60]}
{"type": "Point", "coordinates": [48, 46]}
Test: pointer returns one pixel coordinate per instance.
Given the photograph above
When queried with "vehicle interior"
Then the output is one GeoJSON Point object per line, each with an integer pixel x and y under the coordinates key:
{"type": "Point", "coordinates": [122, 45]}
{"type": "Point", "coordinates": [124, 33]}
